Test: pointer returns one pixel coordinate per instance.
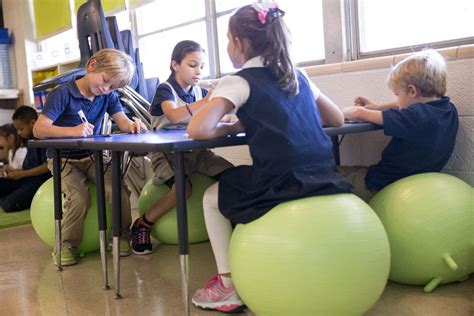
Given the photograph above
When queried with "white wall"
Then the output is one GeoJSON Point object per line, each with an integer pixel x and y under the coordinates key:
{"type": "Point", "coordinates": [365, 149]}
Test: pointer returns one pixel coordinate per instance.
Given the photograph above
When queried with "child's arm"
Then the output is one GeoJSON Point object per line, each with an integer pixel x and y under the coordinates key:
{"type": "Point", "coordinates": [331, 115]}
{"type": "Point", "coordinates": [372, 106]}
{"type": "Point", "coordinates": [360, 113]}
{"type": "Point", "coordinates": [22, 173]}
{"type": "Point", "coordinates": [205, 124]}
{"type": "Point", "coordinates": [44, 128]}
{"type": "Point", "coordinates": [127, 125]}
{"type": "Point", "coordinates": [176, 114]}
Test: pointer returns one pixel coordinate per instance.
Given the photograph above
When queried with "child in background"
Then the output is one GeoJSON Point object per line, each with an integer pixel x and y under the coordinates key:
{"type": "Point", "coordinates": [175, 101]}
{"type": "Point", "coordinates": [13, 145]}
{"type": "Point", "coordinates": [19, 185]}
{"type": "Point", "coordinates": [282, 114]}
{"type": "Point", "coordinates": [423, 124]}
{"type": "Point", "coordinates": [93, 94]}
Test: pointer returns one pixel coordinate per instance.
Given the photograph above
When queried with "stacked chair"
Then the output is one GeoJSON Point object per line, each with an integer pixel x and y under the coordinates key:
{"type": "Point", "coordinates": [95, 32]}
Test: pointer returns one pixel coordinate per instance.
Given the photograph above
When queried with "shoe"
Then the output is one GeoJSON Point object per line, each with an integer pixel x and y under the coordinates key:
{"type": "Point", "coordinates": [68, 257]}
{"type": "Point", "coordinates": [215, 296]}
{"type": "Point", "coordinates": [141, 242]}
{"type": "Point", "coordinates": [124, 246]}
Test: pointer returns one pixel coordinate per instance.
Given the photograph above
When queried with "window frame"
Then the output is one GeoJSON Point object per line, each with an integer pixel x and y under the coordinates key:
{"type": "Point", "coordinates": [353, 42]}
{"type": "Point", "coordinates": [341, 35]}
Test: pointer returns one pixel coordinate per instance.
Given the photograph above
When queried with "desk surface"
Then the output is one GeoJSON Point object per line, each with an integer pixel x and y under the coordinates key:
{"type": "Point", "coordinates": [170, 140]}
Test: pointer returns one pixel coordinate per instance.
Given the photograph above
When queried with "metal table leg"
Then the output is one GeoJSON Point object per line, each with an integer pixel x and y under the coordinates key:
{"type": "Point", "coordinates": [182, 227]}
{"type": "Point", "coordinates": [116, 216]}
{"type": "Point", "coordinates": [101, 214]}
{"type": "Point", "coordinates": [58, 205]}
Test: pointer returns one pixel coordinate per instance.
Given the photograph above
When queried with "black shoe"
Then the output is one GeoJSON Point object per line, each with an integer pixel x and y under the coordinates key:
{"type": "Point", "coordinates": [141, 242]}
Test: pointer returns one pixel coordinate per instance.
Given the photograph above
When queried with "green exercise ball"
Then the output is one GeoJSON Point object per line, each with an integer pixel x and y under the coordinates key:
{"type": "Point", "coordinates": [429, 219]}
{"type": "Point", "coordinates": [323, 255]}
{"type": "Point", "coordinates": [42, 218]}
{"type": "Point", "coordinates": [166, 228]}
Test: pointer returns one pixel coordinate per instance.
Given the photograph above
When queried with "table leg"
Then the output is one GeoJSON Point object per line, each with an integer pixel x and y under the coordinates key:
{"type": "Point", "coordinates": [116, 216]}
{"type": "Point", "coordinates": [58, 205]}
{"type": "Point", "coordinates": [101, 214]}
{"type": "Point", "coordinates": [335, 146]}
{"type": "Point", "coordinates": [180, 178]}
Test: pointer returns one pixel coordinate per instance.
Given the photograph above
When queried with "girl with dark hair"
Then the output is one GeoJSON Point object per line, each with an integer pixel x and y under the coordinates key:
{"type": "Point", "coordinates": [282, 114]}
{"type": "Point", "coordinates": [175, 102]}
{"type": "Point", "coordinates": [13, 146]}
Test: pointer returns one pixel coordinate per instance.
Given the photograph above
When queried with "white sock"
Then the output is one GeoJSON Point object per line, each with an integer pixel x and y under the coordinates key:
{"type": "Point", "coordinates": [227, 281]}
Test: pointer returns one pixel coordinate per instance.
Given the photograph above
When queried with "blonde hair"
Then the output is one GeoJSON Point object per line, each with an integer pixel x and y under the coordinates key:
{"type": "Point", "coordinates": [426, 70]}
{"type": "Point", "coordinates": [115, 63]}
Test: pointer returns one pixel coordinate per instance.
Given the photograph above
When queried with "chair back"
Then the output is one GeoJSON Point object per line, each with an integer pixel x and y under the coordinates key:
{"type": "Point", "coordinates": [92, 31]}
{"type": "Point", "coordinates": [115, 33]}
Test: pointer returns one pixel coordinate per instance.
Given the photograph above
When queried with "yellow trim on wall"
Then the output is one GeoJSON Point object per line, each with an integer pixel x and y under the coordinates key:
{"type": "Point", "coordinates": [44, 10]}
{"type": "Point", "coordinates": [107, 5]}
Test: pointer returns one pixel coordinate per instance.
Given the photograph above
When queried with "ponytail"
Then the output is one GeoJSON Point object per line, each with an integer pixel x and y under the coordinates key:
{"type": "Point", "coordinates": [269, 37]}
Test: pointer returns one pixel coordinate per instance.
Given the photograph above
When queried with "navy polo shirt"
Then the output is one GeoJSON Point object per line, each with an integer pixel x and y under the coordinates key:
{"type": "Point", "coordinates": [423, 138]}
{"type": "Point", "coordinates": [63, 103]}
{"type": "Point", "coordinates": [164, 93]}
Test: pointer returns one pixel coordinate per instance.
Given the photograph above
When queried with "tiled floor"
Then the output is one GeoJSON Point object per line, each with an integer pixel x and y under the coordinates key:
{"type": "Point", "coordinates": [150, 285]}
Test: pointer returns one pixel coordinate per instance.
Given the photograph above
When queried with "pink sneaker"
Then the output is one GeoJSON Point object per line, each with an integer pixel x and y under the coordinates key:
{"type": "Point", "coordinates": [215, 296]}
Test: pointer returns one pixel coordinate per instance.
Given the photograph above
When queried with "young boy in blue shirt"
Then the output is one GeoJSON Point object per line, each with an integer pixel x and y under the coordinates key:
{"type": "Point", "coordinates": [18, 186]}
{"type": "Point", "coordinates": [90, 96]}
{"type": "Point", "coordinates": [423, 124]}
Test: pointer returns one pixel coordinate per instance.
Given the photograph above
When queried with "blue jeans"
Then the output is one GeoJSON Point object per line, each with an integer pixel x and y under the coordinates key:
{"type": "Point", "coordinates": [16, 195]}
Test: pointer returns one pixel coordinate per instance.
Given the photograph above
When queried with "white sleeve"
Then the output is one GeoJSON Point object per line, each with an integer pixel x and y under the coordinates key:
{"type": "Point", "coordinates": [314, 89]}
{"type": "Point", "coordinates": [233, 88]}
{"type": "Point", "coordinates": [17, 161]}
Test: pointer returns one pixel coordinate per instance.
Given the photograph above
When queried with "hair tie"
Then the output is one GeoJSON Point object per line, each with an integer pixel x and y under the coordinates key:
{"type": "Point", "coordinates": [267, 10]}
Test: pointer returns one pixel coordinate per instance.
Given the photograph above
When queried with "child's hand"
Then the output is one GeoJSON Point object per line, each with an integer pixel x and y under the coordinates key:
{"type": "Point", "coordinates": [15, 174]}
{"type": "Point", "coordinates": [361, 101]}
{"type": "Point", "coordinates": [137, 126]}
{"type": "Point", "coordinates": [226, 118]}
{"type": "Point", "coordinates": [235, 128]}
{"type": "Point", "coordinates": [352, 112]}
{"type": "Point", "coordinates": [83, 130]}
{"type": "Point", "coordinates": [8, 169]}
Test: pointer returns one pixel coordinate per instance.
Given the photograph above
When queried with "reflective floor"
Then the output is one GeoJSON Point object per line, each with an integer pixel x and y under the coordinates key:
{"type": "Point", "coordinates": [150, 285]}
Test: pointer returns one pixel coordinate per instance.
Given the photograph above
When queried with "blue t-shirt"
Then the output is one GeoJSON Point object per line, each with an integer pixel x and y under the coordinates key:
{"type": "Point", "coordinates": [63, 103]}
{"type": "Point", "coordinates": [164, 93]}
{"type": "Point", "coordinates": [423, 138]}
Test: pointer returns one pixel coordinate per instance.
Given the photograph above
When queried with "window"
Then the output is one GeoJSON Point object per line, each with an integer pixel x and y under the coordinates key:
{"type": "Point", "coordinates": [161, 25]}
{"type": "Point", "coordinates": [305, 21]}
{"type": "Point", "coordinates": [384, 25]}
{"type": "Point", "coordinates": [305, 49]}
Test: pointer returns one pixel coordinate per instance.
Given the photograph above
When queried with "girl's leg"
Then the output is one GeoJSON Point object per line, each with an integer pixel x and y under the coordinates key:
{"type": "Point", "coordinates": [219, 229]}
{"type": "Point", "coordinates": [219, 293]}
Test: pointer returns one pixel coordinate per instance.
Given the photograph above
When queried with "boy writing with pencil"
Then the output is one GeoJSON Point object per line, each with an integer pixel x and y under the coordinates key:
{"type": "Point", "coordinates": [77, 109]}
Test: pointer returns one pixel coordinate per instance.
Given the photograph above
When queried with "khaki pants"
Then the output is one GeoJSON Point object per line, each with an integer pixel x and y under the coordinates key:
{"type": "Point", "coordinates": [77, 200]}
{"type": "Point", "coordinates": [209, 164]}
{"type": "Point", "coordinates": [356, 176]}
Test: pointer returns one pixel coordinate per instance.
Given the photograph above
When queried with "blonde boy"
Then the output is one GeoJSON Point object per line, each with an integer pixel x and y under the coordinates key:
{"type": "Point", "coordinates": [422, 121]}
{"type": "Point", "coordinates": [77, 109]}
